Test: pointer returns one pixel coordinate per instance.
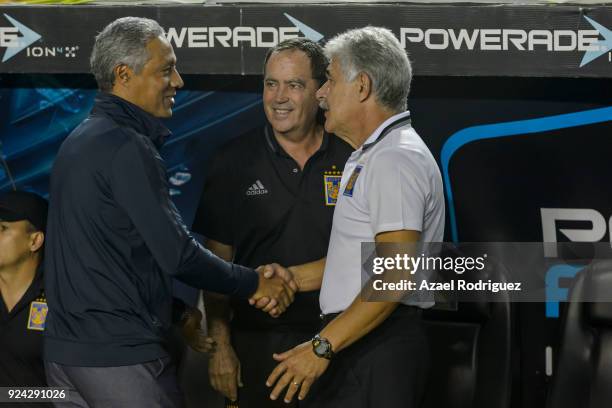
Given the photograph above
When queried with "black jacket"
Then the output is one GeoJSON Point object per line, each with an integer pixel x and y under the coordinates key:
{"type": "Point", "coordinates": [115, 241]}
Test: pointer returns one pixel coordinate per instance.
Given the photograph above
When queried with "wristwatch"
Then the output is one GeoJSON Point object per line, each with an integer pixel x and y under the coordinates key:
{"type": "Point", "coordinates": [322, 347]}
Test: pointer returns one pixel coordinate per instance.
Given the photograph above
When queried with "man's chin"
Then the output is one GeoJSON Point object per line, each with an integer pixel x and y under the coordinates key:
{"type": "Point", "coordinates": [281, 126]}
{"type": "Point", "coordinates": [165, 114]}
{"type": "Point", "coordinates": [281, 130]}
{"type": "Point", "coordinates": [279, 123]}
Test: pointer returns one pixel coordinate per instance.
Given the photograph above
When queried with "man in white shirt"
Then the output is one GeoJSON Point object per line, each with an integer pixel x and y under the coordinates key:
{"type": "Point", "coordinates": [369, 354]}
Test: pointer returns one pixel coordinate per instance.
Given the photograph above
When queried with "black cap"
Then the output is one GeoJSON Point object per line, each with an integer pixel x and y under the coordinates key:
{"type": "Point", "coordinates": [22, 205]}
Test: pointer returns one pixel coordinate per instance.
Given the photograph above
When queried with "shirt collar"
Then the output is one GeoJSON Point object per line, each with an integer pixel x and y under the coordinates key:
{"type": "Point", "coordinates": [35, 290]}
{"type": "Point", "coordinates": [394, 122]}
{"type": "Point", "coordinates": [128, 114]}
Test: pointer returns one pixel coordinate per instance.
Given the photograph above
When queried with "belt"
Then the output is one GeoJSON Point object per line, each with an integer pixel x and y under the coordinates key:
{"type": "Point", "coordinates": [401, 310]}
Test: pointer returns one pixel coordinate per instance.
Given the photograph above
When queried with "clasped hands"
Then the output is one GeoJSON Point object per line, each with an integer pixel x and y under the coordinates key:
{"type": "Point", "coordinates": [276, 289]}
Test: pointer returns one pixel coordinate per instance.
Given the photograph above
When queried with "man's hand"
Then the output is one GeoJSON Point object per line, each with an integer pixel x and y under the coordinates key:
{"type": "Point", "coordinates": [192, 332]}
{"type": "Point", "coordinates": [279, 294]}
{"type": "Point", "coordinates": [275, 269]}
{"type": "Point", "coordinates": [270, 271]}
{"type": "Point", "coordinates": [224, 371]}
{"type": "Point", "coordinates": [299, 368]}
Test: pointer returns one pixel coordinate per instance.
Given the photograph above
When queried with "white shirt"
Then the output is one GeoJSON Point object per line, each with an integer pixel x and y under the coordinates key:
{"type": "Point", "coordinates": [396, 186]}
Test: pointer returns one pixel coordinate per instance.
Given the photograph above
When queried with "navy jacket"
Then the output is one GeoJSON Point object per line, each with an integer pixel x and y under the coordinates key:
{"type": "Point", "coordinates": [115, 241]}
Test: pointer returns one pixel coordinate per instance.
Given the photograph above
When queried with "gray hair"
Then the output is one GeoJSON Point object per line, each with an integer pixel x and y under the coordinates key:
{"type": "Point", "coordinates": [123, 41]}
{"type": "Point", "coordinates": [376, 52]}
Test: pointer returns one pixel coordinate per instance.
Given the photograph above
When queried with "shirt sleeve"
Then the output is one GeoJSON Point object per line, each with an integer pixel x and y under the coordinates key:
{"type": "Point", "coordinates": [214, 215]}
{"type": "Point", "coordinates": [140, 187]}
{"type": "Point", "coordinates": [396, 189]}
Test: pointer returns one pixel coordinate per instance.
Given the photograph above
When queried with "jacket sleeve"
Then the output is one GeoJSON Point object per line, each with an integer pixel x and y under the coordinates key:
{"type": "Point", "coordinates": [139, 186]}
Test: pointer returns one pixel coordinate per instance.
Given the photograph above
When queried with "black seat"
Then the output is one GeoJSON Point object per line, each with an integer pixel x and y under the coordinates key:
{"type": "Point", "coordinates": [471, 351]}
{"type": "Point", "coordinates": [583, 374]}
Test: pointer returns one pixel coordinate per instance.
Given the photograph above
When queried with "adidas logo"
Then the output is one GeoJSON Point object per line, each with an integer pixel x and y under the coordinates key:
{"type": "Point", "coordinates": [256, 189]}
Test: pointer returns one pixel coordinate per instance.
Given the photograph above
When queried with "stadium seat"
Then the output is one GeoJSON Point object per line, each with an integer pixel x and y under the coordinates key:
{"type": "Point", "coordinates": [582, 375]}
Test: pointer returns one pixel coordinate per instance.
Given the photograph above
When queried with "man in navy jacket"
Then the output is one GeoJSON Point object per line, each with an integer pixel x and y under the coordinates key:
{"type": "Point", "coordinates": [115, 239]}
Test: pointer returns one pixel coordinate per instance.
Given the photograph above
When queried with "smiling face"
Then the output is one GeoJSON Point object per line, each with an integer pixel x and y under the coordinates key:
{"type": "Point", "coordinates": [340, 100]}
{"type": "Point", "coordinates": [154, 87]}
{"type": "Point", "coordinates": [289, 92]}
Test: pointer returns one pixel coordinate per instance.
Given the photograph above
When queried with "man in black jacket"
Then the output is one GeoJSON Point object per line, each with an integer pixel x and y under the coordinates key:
{"type": "Point", "coordinates": [115, 239]}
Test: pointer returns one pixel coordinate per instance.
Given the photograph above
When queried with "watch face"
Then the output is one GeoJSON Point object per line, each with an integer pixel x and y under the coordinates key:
{"type": "Point", "coordinates": [321, 348]}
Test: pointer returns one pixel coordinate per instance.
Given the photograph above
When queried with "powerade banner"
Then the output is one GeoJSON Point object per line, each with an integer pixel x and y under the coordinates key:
{"type": "Point", "coordinates": [455, 40]}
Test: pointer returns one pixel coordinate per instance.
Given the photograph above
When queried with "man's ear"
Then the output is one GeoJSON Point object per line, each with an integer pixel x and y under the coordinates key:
{"type": "Point", "coordinates": [364, 82]}
{"type": "Point", "coordinates": [123, 74]}
{"type": "Point", "coordinates": [37, 240]}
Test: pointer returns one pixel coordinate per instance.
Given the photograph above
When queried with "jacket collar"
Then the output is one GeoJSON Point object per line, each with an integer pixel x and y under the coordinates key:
{"type": "Point", "coordinates": [130, 115]}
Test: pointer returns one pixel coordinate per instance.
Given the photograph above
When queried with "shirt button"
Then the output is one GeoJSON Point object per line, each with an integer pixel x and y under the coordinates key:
{"type": "Point", "coordinates": [295, 170]}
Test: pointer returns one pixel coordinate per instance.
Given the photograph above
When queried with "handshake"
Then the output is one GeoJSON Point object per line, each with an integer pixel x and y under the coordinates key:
{"type": "Point", "coordinates": [276, 289]}
{"type": "Point", "coordinates": [275, 292]}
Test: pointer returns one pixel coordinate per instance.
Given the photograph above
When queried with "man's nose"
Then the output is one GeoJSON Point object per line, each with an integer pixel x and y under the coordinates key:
{"type": "Point", "coordinates": [321, 93]}
{"type": "Point", "coordinates": [282, 93]}
{"type": "Point", "coordinates": [176, 80]}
